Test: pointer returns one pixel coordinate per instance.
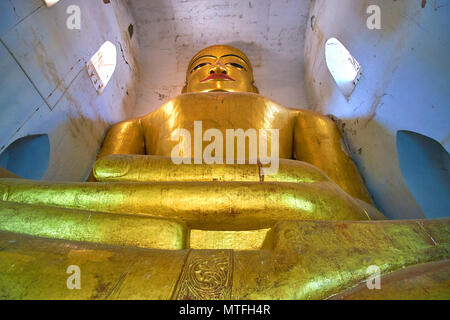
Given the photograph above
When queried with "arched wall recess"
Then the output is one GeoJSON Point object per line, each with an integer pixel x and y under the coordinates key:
{"type": "Point", "coordinates": [27, 157]}
{"type": "Point", "coordinates": [424, 164]}
{"type": "Point", "coordinates": [102, 65]}
{"type": "Point", "coordinates": [50, 3]}
{"type": "Point", "coordinates": [344, 68]}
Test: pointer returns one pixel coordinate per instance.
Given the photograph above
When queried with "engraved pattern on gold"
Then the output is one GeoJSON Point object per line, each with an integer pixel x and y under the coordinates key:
{"type": "Point", "coordinates": [207, 275]}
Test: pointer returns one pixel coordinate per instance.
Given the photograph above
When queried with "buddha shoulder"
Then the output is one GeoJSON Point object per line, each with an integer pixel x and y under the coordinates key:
{"type": "Point", "coordinates": [222, 101]}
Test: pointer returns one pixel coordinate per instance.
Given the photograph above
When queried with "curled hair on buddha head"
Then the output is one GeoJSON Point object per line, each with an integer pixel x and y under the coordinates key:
{"type": "Point", "coordinates": [216, 50]}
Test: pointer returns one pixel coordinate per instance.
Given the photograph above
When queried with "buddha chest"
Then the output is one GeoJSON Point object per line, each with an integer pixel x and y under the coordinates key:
{"type": "Point", "coordinates": [215, 113]}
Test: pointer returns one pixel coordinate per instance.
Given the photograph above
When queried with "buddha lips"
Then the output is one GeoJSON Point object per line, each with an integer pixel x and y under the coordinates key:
{"type": "Point", "coordinates": [218, 76]}
{"type": "Point", "coordinates": [213, 153]}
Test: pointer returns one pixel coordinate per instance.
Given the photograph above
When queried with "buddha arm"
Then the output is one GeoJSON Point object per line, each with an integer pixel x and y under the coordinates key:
{"type": "Point", "coordinates": [125, 137]}
{"type": "Point", "coordinates": [318, 141]}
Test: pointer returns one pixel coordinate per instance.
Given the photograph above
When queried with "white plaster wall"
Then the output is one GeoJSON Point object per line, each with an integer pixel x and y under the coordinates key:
{"type": "Point", "coordinates": [44, 87]}
{"type": "Point", "coordinates": [270, 32]}
{"type": "Point", "coordinates": [405, 85]}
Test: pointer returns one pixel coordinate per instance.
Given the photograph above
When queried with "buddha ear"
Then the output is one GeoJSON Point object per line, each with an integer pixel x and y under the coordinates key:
{"type": "Point", "coordinates": [254, 88]}
{"type": "Point", "coordinates": [184, 90]}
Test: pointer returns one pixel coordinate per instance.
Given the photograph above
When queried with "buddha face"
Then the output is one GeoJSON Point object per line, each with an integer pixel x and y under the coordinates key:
{"type": "Point", "coordinates": [220, 68]}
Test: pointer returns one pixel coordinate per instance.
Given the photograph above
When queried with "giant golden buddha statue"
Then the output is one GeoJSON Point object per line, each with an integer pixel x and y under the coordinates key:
{"type": "Point", "coordinates": [220, 193]}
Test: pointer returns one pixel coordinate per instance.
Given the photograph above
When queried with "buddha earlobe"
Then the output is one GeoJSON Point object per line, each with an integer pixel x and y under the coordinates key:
{"type": "Point", "coordinates": [255, 89]}
{"type": "Point", "coordinates": [184, 90]}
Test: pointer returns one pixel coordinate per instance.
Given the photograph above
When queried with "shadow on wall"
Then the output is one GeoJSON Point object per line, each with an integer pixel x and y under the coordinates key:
{"type": "Point", "coordinates": [424, 163]}
{"type": "Point", "coordinates": [27, 157]}
{"type": "Point", "coordinates": [371, 143]}
{"type": "Point", "coordinates": [79, 140]}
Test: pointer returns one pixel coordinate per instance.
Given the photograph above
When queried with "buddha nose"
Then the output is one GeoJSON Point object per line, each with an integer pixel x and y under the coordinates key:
{"type": "Point", "coordinates": [218, 68]}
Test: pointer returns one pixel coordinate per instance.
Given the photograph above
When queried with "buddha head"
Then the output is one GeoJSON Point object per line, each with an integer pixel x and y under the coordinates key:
{"type": "Point", "coordinates": [220, 68]}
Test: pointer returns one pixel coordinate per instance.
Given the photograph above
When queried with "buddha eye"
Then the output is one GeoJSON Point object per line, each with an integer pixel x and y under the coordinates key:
{"type": "Point", "coordinates": [199, 66]}
{"type": "Point", "coordinates": [237, 65]}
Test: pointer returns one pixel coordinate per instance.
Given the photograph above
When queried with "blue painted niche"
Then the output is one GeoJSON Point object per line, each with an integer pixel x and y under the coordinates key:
{"type": "Point", "coordinates": [27, 157]}
{"type": "Point", "coordinates": [424, 164]}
